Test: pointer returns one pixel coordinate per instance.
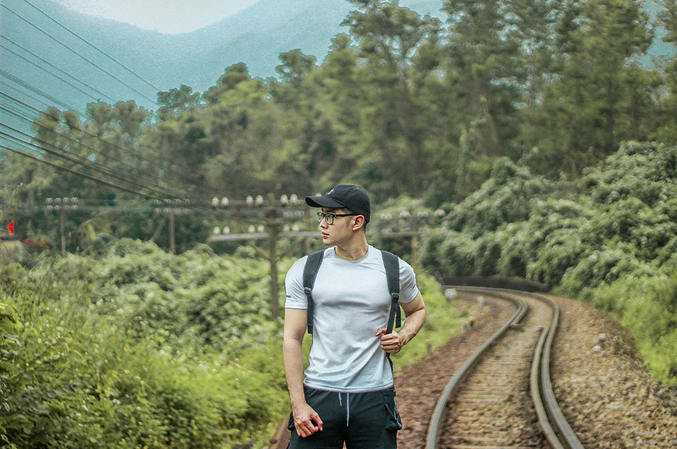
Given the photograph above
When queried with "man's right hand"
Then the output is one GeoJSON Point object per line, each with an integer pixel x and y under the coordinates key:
{"type": "Point", "coordinates": [306, 421]}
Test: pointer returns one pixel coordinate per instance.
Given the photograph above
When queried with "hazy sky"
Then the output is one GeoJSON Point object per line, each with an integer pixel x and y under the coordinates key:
{"type": "Point", "coordinates": [165, 16]}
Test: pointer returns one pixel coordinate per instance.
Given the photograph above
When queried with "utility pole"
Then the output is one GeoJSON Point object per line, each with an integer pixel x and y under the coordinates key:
{"type": "Point", "coordinates": [272, 212]}
{"type": "Point", "coordinates": [172, 239]}
{"type": "Point", "coordinates": [61, 206]}
{"type": "Point", "coordinates": [272, 244]}
{"type": "Point", "coordinates": [62, 226]}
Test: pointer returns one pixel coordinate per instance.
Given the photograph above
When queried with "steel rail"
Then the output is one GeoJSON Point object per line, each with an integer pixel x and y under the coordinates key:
{"type": "Point", "coordinates": [451, 387]}
{"type": "Point", "coordinates": [554, 412]}
{"type": "Point", "coordinates": [535, 388]}
{"type": "Point", "coordinates": [550, 417]}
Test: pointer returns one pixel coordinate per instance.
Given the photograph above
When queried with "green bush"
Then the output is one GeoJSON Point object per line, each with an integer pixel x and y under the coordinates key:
{"type": "Point", "coordinates": [647, 307]}
{"type": "Point", "coordinates": [614, 228]}
{"type": "Point", "coordinates": [104, 353]}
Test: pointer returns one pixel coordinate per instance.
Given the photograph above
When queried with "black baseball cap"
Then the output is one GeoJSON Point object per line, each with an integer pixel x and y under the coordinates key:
{"type": "Point", "coordinates": [348, 196]}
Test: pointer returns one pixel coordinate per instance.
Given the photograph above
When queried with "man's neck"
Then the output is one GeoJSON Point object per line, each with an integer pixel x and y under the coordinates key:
{"type": "Point", "coordinates": [353, 251]}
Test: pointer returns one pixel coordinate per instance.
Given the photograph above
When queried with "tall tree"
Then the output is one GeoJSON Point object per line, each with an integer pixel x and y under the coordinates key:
{"type": "Point", "coordinates": [667, 17]}
{"type": "Point", "coordinates": [587, 106]}
{"type": "Point", "coordinates": [482, 71]}
{"type": "Point", "coordinates": [389, 38]}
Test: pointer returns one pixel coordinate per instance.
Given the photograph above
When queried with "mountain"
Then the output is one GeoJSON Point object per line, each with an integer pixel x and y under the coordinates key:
{"type": "Point", "coordinates": [256, 36]}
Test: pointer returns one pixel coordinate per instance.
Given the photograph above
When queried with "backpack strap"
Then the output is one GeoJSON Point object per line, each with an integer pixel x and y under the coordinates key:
{"type": "Point", "coordinates": [309, 274]}
{"type": "Point", "coordinates": [392, 266]}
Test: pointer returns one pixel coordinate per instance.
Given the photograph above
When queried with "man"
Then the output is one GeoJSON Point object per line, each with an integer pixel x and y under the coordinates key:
{"type": "Point", "coordinates": [347, 394]}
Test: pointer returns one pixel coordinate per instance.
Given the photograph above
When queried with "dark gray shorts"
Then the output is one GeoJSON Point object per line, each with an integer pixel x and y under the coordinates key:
{"type": "Point", "coordinates": [361, 420]}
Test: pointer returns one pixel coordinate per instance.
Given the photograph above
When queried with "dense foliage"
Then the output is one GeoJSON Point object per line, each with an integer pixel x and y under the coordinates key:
{"type": "Point", "coordinates": [122, 352]}
{"type": "Point", "coordinates": [609, 237]}
{"type": "Point", "coordinates": [140, 348]}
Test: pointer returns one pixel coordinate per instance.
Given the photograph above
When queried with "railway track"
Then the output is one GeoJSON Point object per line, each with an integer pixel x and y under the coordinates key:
{"type": "Point", "coordinates": [502, 395]}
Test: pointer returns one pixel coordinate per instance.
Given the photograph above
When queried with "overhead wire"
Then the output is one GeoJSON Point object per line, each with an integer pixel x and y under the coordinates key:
{"type": "Point", "coordinates": [80, 55]}
{"type": "Point", "coordinates": [76, 141]}
{"type": "Point", "coordinates": [81, 160]}
{"type": "Point", "coordinates": [188, 205]}
{"type": "Point", "coordinates": [9, 86]}
{"type": "Point", "coordinates": [45, 70]}
{"type": "Point", "coordinates": [64, 105]}
{"type": "Point", "coordinates": [75, 172]}
{"type": "Point", "coordinates": [94, 46]}
{"type": "Point", "coordinates": [126, 150]}
{"type": "Point", "coordinates": [53, 66]}
{"type": "Point", "coordinates": [85, 162]}
{"type": "Point", "coordinates": [36, 90]}
{"type": "Point", "coordinates": [162, 197]}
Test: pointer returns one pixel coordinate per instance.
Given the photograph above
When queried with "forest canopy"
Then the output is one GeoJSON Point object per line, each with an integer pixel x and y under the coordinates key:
{"type": "Point", "coordinates": [402, 105]}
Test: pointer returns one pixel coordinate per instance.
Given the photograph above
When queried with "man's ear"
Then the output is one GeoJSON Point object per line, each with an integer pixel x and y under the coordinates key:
{"type": "Point", "coordinates": [359, 222]}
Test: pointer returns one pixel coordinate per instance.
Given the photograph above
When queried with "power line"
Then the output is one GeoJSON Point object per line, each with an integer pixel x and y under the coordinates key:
{"type": "Point", "coordinates": [24, 93]}
{"type": "Point", "coordinates": [45, 70]}
{"type": "Point", "coordinates": [52, 65]}
{"type": "Point", "coordinates": [77, 159]}
{"type": "Point", "coordinates": [94, 46]}
{"type": "Point", "coordinates": [76, 142]}
{"type": "Point", "coordinates": [36, 90]}
{"type": "Point", "coordinates": [83, 130]}
{"type": "Point", "coordinates": [83, 57]}
{"type": "Point", "coordinates": [83, 175]}
{"type": "Point", "coordinates": [111, 172]}
{"type": "Point", "coordinates": [92, 178]}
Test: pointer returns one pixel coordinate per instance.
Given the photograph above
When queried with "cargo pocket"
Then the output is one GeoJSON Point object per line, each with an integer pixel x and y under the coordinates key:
{"type": "Point", "coordinates": [393, 421]}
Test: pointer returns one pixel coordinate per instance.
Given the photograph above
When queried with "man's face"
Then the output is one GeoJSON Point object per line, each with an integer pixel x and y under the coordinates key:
{"type": "Point", "coordinates": [340, 231]}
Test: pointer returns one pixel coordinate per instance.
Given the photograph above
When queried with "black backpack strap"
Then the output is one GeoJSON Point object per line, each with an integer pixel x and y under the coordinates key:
{"type": "Point", "coordinates": [392, 266]}
{"type": "Point", "coordinates": [309, 274]}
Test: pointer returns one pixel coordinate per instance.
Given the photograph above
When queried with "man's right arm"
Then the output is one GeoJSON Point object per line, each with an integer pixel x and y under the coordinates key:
{"type": "Point", "coordinates": [306, 420]}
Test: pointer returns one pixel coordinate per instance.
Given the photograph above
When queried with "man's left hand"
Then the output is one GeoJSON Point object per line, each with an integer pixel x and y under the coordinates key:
{"type": "Point", "coordinates": [391, 343]}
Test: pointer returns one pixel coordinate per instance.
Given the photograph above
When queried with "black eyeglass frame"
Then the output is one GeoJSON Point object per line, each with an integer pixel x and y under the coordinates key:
{"type": "Point", "coordinates": [330, 221]}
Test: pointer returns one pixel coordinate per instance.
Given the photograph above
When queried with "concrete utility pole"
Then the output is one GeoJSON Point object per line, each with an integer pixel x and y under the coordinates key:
{"type": "Point", "coordinates": [61, 206]}
{"type": "Point", "coordinates": [272, 211]}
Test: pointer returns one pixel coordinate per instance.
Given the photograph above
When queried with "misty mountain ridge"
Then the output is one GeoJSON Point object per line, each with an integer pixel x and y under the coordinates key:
{"type": "Point", "coordinates": [256, 36]}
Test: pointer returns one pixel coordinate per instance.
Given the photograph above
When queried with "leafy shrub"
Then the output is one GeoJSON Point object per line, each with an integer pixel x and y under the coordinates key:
{"type": "Point", "coordinates": [647, 307]}
{"type": "Point", "coordinates": [615, 229]}
{"type": "Point", "coordinates": [88, 360]}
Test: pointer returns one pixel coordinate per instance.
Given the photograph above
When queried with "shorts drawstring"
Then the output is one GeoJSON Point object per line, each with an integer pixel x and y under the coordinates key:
{"type": "Point", "coordinates": [347, 407]}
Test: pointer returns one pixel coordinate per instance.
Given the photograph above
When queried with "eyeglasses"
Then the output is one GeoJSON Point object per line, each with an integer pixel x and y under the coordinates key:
{"type": "Point", "coordinates": [329, 218]}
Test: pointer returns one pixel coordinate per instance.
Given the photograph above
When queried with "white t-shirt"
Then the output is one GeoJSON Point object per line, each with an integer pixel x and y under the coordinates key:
{"type": "Point", "coordinates": [352, 302]}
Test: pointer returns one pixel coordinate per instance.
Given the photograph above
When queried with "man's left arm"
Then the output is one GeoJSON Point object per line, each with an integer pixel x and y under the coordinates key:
{"type": "Point", "coordinates": [415, 312]}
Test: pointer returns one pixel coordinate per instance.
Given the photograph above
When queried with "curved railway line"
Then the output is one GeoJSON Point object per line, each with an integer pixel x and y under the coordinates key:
{"type": "Point", "coordinates": [477, 407]}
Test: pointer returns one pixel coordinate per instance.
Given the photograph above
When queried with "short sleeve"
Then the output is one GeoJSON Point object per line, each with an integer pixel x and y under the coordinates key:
{"type": "Point", "coordinates": [295, 297]}
{"type": "Point", "coordinates": [408, 288]}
